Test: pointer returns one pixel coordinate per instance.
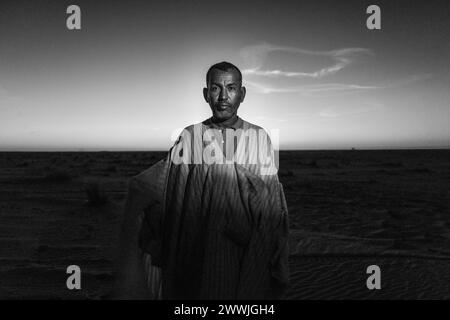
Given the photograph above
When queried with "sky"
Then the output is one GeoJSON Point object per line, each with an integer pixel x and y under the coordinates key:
{"type": "Point", "coordinates": [132, 77]}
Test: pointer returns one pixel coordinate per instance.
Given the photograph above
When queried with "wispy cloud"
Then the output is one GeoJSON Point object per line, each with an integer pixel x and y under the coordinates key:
{"type": "Point", "coordinates": [256, 56]}
{"type": "Point", "coordinates": [409, 80]}
{"type": "Point", "coordinates": [331, 112]}
{"type": "Point", "coordinates": [326, 112]}
{"type": "Point", "coordinates": [307, 89]}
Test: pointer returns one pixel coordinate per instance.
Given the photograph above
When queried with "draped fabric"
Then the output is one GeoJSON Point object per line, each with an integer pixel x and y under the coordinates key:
{"type": "Point", "coordinates": [222, 230]}
{"type": "Point", "coordinates": [137, 276]}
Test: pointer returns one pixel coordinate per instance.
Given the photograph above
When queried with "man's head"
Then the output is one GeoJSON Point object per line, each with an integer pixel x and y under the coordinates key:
{"type": "Point", "coordinates": [224, 91]}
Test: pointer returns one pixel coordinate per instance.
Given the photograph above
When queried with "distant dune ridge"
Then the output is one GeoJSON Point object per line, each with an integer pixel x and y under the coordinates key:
{"type": "Point", "coordinates": [348, 210]}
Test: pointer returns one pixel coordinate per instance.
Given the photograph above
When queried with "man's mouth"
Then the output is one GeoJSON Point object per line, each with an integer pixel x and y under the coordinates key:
{"type": "Point", "coordinates": [222, 106]}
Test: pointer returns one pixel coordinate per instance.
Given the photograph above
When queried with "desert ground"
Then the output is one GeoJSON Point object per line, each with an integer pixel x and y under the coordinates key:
{"type": "Point", "coordinates": [347, 210]}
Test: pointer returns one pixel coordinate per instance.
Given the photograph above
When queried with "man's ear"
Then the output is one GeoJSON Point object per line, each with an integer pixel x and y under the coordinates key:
{"type": "Point", "coordinates": [243, 92]}
{"type": "Point", "coordinates": [205, 95]}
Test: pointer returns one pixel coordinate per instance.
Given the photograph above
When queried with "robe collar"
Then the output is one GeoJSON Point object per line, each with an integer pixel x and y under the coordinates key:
{"type": "Point", "coordinates": [238, 124]}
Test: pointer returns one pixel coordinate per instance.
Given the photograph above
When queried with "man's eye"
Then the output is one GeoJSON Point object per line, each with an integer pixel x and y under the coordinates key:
{"type": "Point", "coordinates": [232, 88]}
{"type": "Point", "coordinates": [214, 89]}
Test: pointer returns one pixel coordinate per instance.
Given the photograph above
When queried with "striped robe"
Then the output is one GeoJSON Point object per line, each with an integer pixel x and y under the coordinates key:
{"type": "Point", "coordinates": [223, 232]}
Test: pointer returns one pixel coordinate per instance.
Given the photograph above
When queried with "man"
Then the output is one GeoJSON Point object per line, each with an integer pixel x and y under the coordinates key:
{"type": "Point", "coordinates": [215, 226]}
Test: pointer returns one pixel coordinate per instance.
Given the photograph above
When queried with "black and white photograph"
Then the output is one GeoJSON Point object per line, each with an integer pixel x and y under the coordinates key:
{"type": "Point", "coordinates": [224, 150]}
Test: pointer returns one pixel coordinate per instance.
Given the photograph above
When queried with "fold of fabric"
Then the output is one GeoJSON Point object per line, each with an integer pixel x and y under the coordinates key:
{"type": "Point", "coordinates": [138, 274]}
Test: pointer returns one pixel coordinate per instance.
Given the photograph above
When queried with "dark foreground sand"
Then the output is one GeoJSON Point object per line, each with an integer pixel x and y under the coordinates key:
{"type": "Point", "coordinates": [348, 210]}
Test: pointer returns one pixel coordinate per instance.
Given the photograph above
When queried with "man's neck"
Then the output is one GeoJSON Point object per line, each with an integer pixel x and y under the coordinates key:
{"type": "Point", "coordinates": [225, 123]}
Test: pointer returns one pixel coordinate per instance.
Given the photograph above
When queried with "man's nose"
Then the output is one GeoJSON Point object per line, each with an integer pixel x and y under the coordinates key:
{"type": "Point", "coordinates": [223, 95]}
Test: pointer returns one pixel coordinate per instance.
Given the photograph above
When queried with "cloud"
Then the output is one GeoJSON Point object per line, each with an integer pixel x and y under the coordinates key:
{"type": "Point", "coordinates": [256, 55]}
{"type": "Point", "coordinates": [410, 80]}
{"type": "Point", "coordinates": [308, 89]}
{"type": "Point", "coordinates": [352, 110]}
{"type": "Point", "coordinates": [328, 114]}
{"type": "Point", "coordinates": [255, 58]}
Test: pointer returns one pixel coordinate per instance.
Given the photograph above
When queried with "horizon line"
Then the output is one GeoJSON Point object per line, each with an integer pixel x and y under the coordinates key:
{"type": "Point", "coordinates": [166, 150]}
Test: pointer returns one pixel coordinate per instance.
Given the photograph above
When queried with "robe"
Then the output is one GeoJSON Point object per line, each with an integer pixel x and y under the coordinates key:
{"type": "Point", "coordinates": [220, 227]}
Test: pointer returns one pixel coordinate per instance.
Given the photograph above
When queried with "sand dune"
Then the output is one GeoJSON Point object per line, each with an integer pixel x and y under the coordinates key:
{"type": "Point", "coordinates": [348, 210]}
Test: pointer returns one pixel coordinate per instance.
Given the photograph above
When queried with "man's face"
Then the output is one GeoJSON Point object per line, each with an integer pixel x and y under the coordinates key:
{"type": "Point", "coordinates": [224, 94]}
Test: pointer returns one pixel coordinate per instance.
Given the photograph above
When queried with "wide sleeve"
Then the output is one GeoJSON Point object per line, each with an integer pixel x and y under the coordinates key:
{"type": "Point", "coordinates": [130, 273]}
{"type": "Point", "coordinates": [137, 275]}
{"type": "Point", "coordinates": [264, 266]}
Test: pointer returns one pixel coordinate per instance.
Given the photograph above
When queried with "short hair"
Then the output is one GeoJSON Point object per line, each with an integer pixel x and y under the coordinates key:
{"type": "Point", "coordinates": [223, 66]}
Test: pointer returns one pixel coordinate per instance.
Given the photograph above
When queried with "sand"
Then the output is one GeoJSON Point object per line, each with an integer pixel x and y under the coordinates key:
{"type": "Point", "coordinates": [348, 210]}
